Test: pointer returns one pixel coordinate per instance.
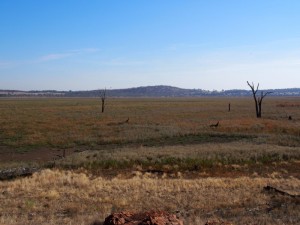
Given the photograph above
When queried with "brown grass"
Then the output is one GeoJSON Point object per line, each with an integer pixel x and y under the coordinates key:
{"type": "Point", "coordinates": [56, 123]}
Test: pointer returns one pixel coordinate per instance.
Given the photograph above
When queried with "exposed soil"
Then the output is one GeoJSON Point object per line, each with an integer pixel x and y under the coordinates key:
{"type": "Point", "coordinates": [44, 154]}
{"type": "Point", "coordinates": [39, 155]}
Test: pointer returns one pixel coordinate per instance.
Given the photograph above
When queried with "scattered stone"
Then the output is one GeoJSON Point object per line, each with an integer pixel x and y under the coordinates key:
{"type": "Point", "coordinates": [145, 218]}
{"type": "Point", "coordinates": [30, 216]}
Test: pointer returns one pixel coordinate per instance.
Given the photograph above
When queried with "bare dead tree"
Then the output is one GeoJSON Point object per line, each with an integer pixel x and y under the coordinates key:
{"type": "Point", "coordinates": [103, 99]}
{"type": "Point", "coordinates": [257, 100]}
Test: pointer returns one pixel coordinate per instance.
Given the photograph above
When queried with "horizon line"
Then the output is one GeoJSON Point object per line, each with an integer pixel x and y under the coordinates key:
{"type": "Point", "coordinates": [110, 89]}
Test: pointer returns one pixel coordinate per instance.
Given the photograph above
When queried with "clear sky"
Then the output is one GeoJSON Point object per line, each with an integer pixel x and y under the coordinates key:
{"type": "Point", "coordinates": [207, 44]}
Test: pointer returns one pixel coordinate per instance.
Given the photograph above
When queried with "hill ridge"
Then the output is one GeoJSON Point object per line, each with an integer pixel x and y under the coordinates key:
{"type": "Point", "coordinates": [148, 91]}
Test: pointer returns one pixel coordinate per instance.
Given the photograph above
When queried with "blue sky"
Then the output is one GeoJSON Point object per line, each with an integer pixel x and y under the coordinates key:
{"type": "Point", "coordinates": [84, 45]}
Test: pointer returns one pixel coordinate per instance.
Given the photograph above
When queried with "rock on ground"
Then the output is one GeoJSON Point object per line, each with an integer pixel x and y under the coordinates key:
{"type": "Point", "coordinates": [217, 222]}
{"type": "Point", "coordinates": [145, 218]}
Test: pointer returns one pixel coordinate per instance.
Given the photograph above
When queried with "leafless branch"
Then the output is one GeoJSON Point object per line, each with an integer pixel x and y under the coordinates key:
{"type": "Point", "coordinates": [257, 100]}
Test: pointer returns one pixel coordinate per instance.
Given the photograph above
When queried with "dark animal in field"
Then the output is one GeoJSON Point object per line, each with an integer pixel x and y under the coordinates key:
{"type": "Point", "coordinates": [290, 118]}
{"type": "Point", "coordinates": [214, 125]}
{"type": "Point", "coordinates": [118, 123]}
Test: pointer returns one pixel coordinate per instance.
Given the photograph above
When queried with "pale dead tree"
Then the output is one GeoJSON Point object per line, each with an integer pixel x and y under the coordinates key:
{"type": "Point", "coordinates": [258, 100]}
{"type": "Point", "coordinates": [103, 99]}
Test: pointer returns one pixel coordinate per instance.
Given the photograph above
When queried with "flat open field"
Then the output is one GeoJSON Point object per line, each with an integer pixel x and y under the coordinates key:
{"type": "Point", "coordinates": [166, 156]}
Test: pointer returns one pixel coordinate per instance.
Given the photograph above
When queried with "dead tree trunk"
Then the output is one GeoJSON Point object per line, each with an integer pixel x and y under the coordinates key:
{"type": "Point", "coordinates": [257, 100]}
{"type": "Point", "coordinates": [103, 98]}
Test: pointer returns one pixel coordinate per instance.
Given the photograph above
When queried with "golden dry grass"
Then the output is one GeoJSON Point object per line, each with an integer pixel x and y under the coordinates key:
{"type": "Point", "coordinates": [64, 197]}
{"type": "Point", "coordinates": [242, 151]}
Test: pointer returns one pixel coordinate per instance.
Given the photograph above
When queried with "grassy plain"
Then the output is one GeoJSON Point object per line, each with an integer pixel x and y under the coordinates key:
{"type": "Point", "coordinates": [167, 156]}
{"type": "Point", "coordinates": [32, 123]}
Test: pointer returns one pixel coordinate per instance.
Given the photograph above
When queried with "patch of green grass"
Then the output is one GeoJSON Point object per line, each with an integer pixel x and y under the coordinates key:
{"type": "Point", "coordinates": [197, 138]}
{"type": "Point", "coordinates": [174, 163]}
{"type": "Point", "coordinates": [29, 203]}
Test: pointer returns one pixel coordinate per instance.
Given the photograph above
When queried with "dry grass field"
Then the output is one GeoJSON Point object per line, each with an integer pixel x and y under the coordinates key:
{"type": "Point", "coordinates": [166, 157]}
{"type": "Point", "coordinates": [63, 197]}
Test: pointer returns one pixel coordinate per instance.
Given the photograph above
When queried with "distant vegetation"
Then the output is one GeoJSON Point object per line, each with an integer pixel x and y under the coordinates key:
{"type": "Point", "coordinates": [149, 91]}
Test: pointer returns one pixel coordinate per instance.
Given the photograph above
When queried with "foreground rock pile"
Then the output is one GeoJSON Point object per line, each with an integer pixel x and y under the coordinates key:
{"type": "Point", "coordinates": [150, 218]}
{"type": "Point", "coordinates": [145, 218]}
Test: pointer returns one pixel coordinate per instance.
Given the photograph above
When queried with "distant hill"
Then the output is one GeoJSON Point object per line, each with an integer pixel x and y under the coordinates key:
{"type": "Point", "coordinates": [147, 91]}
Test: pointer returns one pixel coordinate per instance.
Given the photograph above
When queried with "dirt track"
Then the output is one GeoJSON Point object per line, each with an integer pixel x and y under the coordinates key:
{"type": "Point", "coordinates": [39, 155]}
